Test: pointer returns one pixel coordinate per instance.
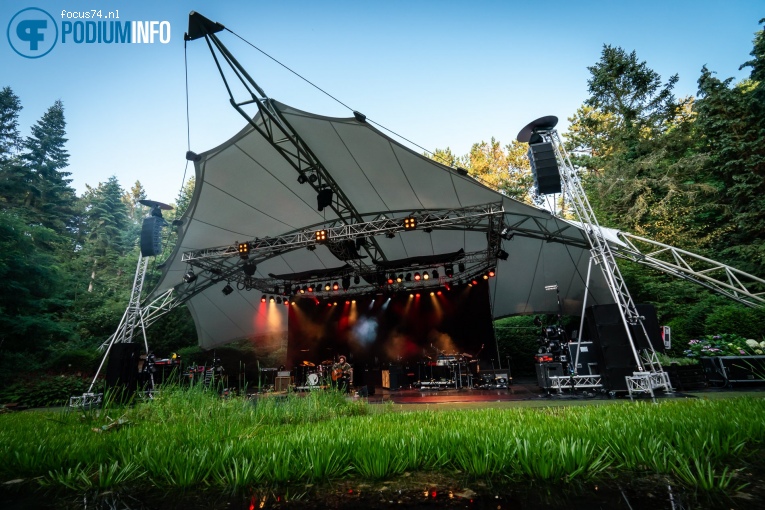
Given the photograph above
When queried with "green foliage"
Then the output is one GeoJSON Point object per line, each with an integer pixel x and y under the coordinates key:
{"type": "Point", "coordinates": [517, 338]}
{"type": "Point", "coordinates": [44, 390]}
{"type": "Point", "coordinates": [726, 344]}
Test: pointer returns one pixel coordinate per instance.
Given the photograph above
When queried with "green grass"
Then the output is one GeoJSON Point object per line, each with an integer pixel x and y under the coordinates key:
{"type": "Point", "coordinates": [191, 438]}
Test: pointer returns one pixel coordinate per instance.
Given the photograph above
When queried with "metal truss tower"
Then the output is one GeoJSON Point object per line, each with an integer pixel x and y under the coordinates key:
{"type": "Point", "coordinates": [649, 374]}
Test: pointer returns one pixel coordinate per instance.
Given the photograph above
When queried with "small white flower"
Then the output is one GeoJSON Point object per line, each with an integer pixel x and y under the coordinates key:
{"type": "Point", "coordinates": [762, 344]}
{"type": "Point", "coordinates": [758, 351]}
{"type": "Point", "coordinates": [752, 343]}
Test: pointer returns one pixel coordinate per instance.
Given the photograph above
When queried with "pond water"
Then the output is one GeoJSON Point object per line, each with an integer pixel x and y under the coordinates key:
{"type": "Point", "coordinates": [633, 495]}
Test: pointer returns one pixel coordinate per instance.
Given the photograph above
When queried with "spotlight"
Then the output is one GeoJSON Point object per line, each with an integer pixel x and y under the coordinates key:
{"type": "Point", "coordinates": [287, 302]}
{"type": "Point", "coordinates": [356, 280]}
{"type": "Point", "coordinates": [475, 282]}
{"type": "Point", "coordinates": [347, 302]}
{"type": "Point", "coordinates": [502, 254]}
{"type": "Point", "coordinates": [244, 250]}
{"type": "Point", "coordinates": [435, 274]}
{"type": "Point", "coordinates": [310, 288]}
{"type": "Point", "coordinates": [302, 291]}
{"type": "Point", "coordinates": [310, 247]}
{"type": "Point", "coordinates": [278, 300]}
{"type": "Point", "coordinates": [263, 299]}
{"type": "Point", "coordinates": [324, 198]}
{"type": "Point", "coordinates": [390, 235]}
{"type": "Point", "coordinates": [321, 236]}
{"type": "Point", "coordinates": [327, 287]}
{"type": "Point", "coordinates": [417, 277]}
{"type": "Point", "coordinates": [249, 268]}
{"type": "Point", "coordinates": [313, 178]}
{"type": "Point", "coordinates": [335, 286]}
{"type": "Point", "coordinates": [449, 270]}
{"type": "Point", "coordinates": [432, 293]}
{"type": "Point", "coordinates": [492, 272]}
{"type": "Point", "coordinates": [461, 267]}
{"type": "Point", "coordinates": [485, 276]}
{"type": "Point", "coordinates": [399, 278]}
{"type": "Point", "coordinates": [408, 277]}
{"type": "Point", "coordinates": [302, 179]}
{"type": "Point", "coordinates": [410, 223]}
{"type": "Point", "coordinates": [428, 230]}
{"type": "Point", "coordinates": [346, 282]}
{"type": "Point", "coordinates": [189, 276]}
{"type": "Point", "coordinates": [439, 292]}
{"type": "Point", "coordinates": [391, 279]}
{"type": "Point", "coordinates": [228, 289]}
{"type": "Point", "coordinates": [271, 299]}
{"type": "Point", "coordinates": [425, 275]}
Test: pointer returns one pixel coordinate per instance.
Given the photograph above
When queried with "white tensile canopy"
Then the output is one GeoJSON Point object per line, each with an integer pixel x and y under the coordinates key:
{"type": "Point", "coordinates": [246, 190]}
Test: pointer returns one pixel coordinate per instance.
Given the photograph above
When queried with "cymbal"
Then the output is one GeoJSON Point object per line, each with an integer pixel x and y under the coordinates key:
{"type": "Point", "coordinates": [466, 355]}
{"type": "Point", "coordinates": [327, 362]}
{"type": "Point", "coordinates": [308, 364]}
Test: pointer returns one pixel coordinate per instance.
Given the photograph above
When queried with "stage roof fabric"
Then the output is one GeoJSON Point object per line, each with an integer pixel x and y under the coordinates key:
{"type": "Point", "coordinates": [246, 190]}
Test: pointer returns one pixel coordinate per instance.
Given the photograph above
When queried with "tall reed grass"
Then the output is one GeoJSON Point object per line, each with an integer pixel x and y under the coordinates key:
{"type": "Point", "coordinates": [190, 438]}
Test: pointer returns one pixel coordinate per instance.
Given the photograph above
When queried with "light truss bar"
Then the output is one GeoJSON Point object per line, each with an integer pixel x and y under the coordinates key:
{"type": "Point", "coordinates": [262, 249]}
{"type": "Point", "coordinates": [726, 280]}
{"type": "Point", "coordinates": [573, 382]}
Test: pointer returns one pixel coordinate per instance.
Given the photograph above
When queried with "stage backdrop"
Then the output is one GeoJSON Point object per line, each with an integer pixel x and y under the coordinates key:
{"type": "Point", "coordinates": [392, 328]}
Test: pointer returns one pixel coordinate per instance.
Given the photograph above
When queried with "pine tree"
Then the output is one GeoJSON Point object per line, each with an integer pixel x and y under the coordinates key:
{"type": "Point", "coordinates": [13, 175]}
{"type": "Point", "coordinates": [49, 196]}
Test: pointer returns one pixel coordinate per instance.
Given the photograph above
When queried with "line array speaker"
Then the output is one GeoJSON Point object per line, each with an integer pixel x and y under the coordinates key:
{"type": "Point", "coordinates": [151, 236]}
{"type": "Point", "coordinates": [544, 168]}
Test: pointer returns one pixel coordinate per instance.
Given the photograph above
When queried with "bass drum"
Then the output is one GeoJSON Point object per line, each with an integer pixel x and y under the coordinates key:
{"type": "Point", "coordinates": [312, 380]}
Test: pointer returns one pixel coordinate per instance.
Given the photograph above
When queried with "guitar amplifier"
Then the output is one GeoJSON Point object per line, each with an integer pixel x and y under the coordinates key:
{"type": "Point", "coordinates": [282, 383]}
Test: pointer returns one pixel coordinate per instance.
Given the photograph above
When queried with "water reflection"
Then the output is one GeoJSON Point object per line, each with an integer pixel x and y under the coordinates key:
{"type": "Point", "coordinates": [370, 496]}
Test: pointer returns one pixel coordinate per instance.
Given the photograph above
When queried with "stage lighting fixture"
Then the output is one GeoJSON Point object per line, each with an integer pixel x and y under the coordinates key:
{"type": "Point", "coordinates": [286, 302]}
{"type": "Point", "coordinates": [391, 279]}
{"type": "Point", "coordinates": [435, 274]}
{"type": "Point", "coordinates": [425, 275]}
{"type": "Point", "coordinates": [417, 277]}
{"type": "Point", "coordinates": [502, 254]}
{"type": "Point", "coordinates": [228, 289]}
{"type": "Point", "coordinates": [303, 289]}
{"type": "Point", "coordinates": [439, 292]}
{"type": "Point", "coordinates": [461, 171]}
{"type": "Point", "coordinates": [475, 282]}
{"type": "Point", "coordinates": [449, 270]}
{"type": "Point", "coordinates": [347, 302]}
{"type": "Point", "coordinates": [432, 293]}
{"type": "Point", "coordinates": [302, 179]}
{"type": "Point", "coordinates": [335, 286]}
{"type": "Point", "coordinates": [390, 235]}
{"type": "Point", "coordinates": [356, 280]}
{"type": "Point", "coordinates": [313, 178]}
{"type": "Point", "coordinates": [278, 300]}
{"type": "Point", "coordinates": [492, 272]}
{"type": "Point", "coordinates": [249, 268]}
{"type": "Point", "coordinates": [321, 236]}
{"type": "Point", "coordinates": [189, 276]}
{"type": "Point", "coordinates": [310, 288]}
{"type": "Point", "coordinates": [271, 299]}
{"type": "Point", "coordinates": [324, 198]}
{"type": "Point", "coordinates": [310, 247]}
{"type": "Point", "coordinates": [485, 276]}
{"type": "Point", "coordinates": [244, 250]}
{"type": "Point", "coordinates": [327, 287]}
{"type": "Point", "coordinates": [399, 278]}
{"type": "Point", "coordinates": [263, 299]}
{"type": "Point", "coordinates": [427, 230]}
{"type": "Point", "coordinates": [410, 223]}
{"type": "Point", "coordinates": [461, 267]}
{"type": "Point", "coordinates": [408, 277]}
{"type": "Point", "coordinates": [346, 281]}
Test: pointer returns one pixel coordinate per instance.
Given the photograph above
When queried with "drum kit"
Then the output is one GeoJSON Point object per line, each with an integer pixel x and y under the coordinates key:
{"type": "Point", "coordinates": [313, 375]}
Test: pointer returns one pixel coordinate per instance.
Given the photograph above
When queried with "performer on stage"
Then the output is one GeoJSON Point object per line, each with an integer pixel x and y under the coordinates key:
{"type": "Point", "coordinates": [342, 374]}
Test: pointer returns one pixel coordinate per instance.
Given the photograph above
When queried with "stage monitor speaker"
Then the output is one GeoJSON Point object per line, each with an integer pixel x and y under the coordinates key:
{"type": "Point", "coordinates": [151, 236]}
{"type": "Point", "coordinates": [545, 371]}
{"type": "Point", "coordinates": [615, 357]}
{"type": "Point", "coordinates": [544, 168]}
{"type": "Point", "coordinates": [122, 368]}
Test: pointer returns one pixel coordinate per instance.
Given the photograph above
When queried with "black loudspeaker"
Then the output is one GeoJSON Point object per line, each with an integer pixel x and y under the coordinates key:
{"type": "Point", "coordinates": [545, 371]}
{"type": "Point", "coordinates": [122, 369]}
{"type": "Point", "coordinates": [544, 168]}
{"type": "Point", "coordinates": [615, 357]}
{"type": "Point", "coordinates": [151, 236]}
